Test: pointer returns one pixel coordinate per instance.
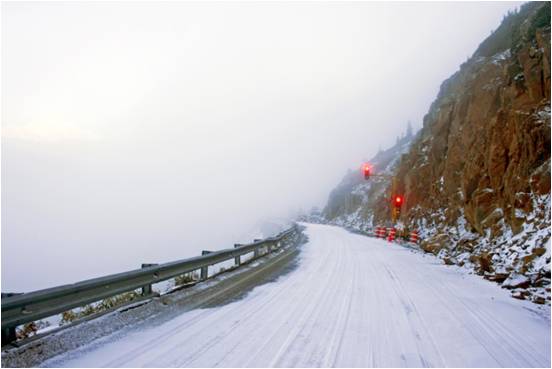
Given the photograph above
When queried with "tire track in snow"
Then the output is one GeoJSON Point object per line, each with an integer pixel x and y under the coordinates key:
{"type": "Point", "coordinates": [283, 310]}
{"type": "Point", "coordinates": [248, 312]}
{"type": "Point", "coordinates": [469, 327]}
{"type": "Point", "coordinates": [284, 289]}
{"type": "Point", "coordinates": [410, 307]}
{"type": "Point", "coordinates": [163, 336]}
{"type": "Point", "coordinates": [309, 311]}
{"type": "Point", "coordinates": [343, 316]}
{"type": "Point", "coordinates": [308, 343]}
{"type": "Point", "coordinates": [491, 325]}
{"type": "Point", "coordinates": [283, 314]}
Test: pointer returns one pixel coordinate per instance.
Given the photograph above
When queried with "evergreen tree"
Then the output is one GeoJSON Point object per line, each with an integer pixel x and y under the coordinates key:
{"type": "Point", "coordinates": [409, 130]}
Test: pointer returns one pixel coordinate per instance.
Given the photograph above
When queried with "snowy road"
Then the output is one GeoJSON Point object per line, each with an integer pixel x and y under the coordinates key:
{"type": "Point", "coordinates": [353, 301]}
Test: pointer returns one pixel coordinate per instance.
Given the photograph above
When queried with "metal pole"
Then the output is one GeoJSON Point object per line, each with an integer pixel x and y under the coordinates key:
{"type": "Point", "coordinates": [237, 259]}
{"type": "Point", "coordinates": [204, 270]}
{"type": "Point", "coordinates": [393, 193]}
{"type": "Point", "coordinates": [9, 334]}
{"type": "Point", "coordinates": [256, 253]}
{"type": "Point", "coordinates": [146, 289]}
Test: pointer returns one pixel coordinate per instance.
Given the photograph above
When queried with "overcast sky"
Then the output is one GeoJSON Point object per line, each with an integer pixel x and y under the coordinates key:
{"type": "Point", "coordinates": [145, 132]}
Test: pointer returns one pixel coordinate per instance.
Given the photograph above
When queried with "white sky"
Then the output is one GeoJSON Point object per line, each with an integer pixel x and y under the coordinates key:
{"type": "Point", "coordinates": [145, 132]}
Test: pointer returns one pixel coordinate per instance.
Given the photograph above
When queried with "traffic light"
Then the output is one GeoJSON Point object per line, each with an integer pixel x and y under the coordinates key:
{"type": "Point", "coordinates": [398, 201]}
{"type": "Point", "coordinates": [397, 204]}
{"type": "Point", "coordinates": [366, 169]}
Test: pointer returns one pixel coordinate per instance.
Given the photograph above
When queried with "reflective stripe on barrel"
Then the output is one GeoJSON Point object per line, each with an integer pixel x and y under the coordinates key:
{"type": "Point", "coordinates": [413, 237]}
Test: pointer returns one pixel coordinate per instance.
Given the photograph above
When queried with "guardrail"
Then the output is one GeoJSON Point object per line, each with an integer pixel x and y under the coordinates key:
{"type": "Point", "coordinates": [18, 309]}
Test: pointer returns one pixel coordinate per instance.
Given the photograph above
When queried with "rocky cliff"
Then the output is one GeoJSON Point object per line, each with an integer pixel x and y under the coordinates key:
{"type": "Point", "coordinates": [476, 178]}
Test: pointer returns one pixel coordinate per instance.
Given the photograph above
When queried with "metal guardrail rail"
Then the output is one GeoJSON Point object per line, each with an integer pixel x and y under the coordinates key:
{"type": "Point", "coordinates": [18, 309]}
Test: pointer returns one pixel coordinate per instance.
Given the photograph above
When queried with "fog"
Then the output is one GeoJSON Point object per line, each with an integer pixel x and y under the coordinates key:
{"type": "Point", "coordinates": [146, 132]}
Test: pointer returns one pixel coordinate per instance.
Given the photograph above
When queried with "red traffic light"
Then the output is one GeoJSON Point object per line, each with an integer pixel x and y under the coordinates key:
{"type": "Point", "coordinates": [398, 200]}
{"type": "Point", "coordinates": [366, 169]}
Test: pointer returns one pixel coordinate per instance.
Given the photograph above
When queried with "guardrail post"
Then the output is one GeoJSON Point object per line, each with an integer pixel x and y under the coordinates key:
{"type": "Point", "coordinates": [256, 252]}
{"type": "Point", "coordinates": [146, 289]}
{"type": "Point", "coordinates": [237, 259]}
{"type": "Point", "coordinates": [9, 334]}
{"type": "Point", "coordinates": [204, 270]}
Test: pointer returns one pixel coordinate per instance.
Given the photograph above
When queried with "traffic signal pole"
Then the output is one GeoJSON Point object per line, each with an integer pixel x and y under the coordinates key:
{"type": "Point", "coordinates": [394, 215]}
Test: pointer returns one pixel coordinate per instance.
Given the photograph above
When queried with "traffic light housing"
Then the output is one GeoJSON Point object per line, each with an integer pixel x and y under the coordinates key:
{"type": "Point", "coordinates": [367, 169]}
{"type": "Point", "coordinates": [398, 201]}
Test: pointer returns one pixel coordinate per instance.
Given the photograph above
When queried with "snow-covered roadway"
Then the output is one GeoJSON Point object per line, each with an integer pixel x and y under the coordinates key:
{"type": "Point", "coordinates": [353, 301]}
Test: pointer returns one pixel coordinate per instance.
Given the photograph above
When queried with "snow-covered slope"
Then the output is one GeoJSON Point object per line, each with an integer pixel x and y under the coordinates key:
{"type": "Point", "coordinates": [354, 301]}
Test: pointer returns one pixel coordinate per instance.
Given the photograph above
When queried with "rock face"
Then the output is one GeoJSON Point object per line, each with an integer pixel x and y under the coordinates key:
{"type": "Point", "coordinates": [476, 178]}
{"type": "Point", "coordinates": [484, 150]}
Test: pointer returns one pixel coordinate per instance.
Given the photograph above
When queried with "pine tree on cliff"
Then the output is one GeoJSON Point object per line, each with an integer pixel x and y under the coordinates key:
{"type": "Point", "coordinates": [409, 130]}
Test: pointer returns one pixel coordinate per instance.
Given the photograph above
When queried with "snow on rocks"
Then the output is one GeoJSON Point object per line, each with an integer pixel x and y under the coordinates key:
{"type": "Point", "coordinates": [516, 280]}
{"type": "Point", "coordinates": [518, 261]}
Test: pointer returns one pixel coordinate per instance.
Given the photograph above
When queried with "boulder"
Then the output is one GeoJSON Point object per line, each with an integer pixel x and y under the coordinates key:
{"type": "Point", "coordinates": [518, 295]}
{"type": "Point", "coordinates": [516, 280]}
{"type": "Point", "coordinates": [483, 262]}
{"type": "Point", "coordinates": [436, 243]}
{"type": "Point", "coordinates": [539, 251]}
{"type": "Point", "coordinates": [497, 277]}
{"type": "Point", "coordinates": [527, 259]}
